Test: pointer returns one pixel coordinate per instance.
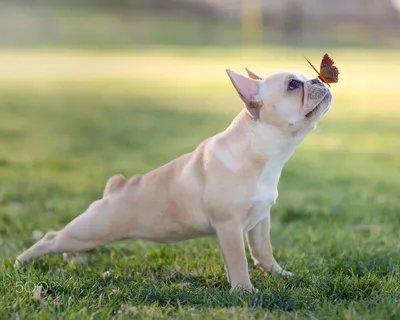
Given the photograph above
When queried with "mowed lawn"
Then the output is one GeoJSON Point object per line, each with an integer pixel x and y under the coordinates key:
{"type": "Point", "coordinates": [70, 119]}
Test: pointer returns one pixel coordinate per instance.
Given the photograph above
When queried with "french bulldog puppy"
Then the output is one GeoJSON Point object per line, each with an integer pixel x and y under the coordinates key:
{"type": "Point", "coordinates": [224, 188]}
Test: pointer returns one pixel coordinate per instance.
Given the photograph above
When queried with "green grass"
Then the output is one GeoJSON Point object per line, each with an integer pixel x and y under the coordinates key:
{"type": "Point", "coordinates": [71, 119]}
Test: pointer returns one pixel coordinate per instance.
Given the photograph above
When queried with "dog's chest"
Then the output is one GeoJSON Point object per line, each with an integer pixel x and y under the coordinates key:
{"type": "Point", "coordinates": [264, 196]}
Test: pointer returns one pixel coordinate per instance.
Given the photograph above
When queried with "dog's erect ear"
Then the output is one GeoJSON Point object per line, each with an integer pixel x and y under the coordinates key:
{"type": "Point", "coordinates": [252, 75]}
{"type": "Point", "coordinates": [248, 90]}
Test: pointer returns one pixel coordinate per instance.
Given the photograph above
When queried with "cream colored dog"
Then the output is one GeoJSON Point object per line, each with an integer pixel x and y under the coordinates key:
{"type": "Point", "coordinates": [225, 187]}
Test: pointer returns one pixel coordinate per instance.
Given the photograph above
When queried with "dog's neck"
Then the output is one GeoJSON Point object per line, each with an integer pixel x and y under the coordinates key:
{"type": "Point", "coordinates": [262, 142]}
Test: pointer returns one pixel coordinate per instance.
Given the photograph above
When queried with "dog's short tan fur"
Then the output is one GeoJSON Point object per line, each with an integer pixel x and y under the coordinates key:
{"type": "Point", "coordinates": [224, 188]}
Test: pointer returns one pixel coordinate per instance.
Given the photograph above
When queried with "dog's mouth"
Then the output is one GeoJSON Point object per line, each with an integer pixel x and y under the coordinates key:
{"type": "Point", "coordinates": [313, 111]}
{"type": "Point", "coordinates": [319, 105]}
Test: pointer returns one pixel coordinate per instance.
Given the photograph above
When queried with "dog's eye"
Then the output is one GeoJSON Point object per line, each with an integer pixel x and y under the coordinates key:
{"type": "Point", "coordinates": [294, 84]}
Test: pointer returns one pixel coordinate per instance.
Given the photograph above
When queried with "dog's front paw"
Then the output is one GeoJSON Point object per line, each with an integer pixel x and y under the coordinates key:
{"type": "Point", "coordinates": [240, 289]}
{"type": "Point", "coordinates": [274, 269]}
{"type": "Point", "coordinates": [281, 273]}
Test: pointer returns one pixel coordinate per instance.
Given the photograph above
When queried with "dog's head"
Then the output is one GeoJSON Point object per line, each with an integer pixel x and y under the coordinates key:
{"type": "Point", "coordinates": [286, 100]}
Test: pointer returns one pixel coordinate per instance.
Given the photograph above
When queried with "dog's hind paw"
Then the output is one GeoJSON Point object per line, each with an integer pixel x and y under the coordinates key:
{"type": "Point", "coordinates": [17, 264]}
{"type": "Point", "coordinates": [74, 257]}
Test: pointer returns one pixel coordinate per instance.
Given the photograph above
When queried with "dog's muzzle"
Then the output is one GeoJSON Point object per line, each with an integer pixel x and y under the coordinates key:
{"type": "Point", "coordinates": [320, 93]}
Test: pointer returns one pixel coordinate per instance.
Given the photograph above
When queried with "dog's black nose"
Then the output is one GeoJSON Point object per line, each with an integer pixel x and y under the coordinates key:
{"type": "Point", "coordinates": [316, 81]}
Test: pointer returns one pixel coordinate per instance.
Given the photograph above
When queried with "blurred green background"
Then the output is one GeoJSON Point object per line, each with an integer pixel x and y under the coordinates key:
{"type": "Point", "coordinates": [93, 88]}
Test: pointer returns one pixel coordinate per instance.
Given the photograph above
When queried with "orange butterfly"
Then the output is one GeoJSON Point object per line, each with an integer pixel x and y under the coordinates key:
{"type": "Point", "coordinates": [328, 72]}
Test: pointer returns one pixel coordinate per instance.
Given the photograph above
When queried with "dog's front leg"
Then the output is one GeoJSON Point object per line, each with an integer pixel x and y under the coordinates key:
{"type": "Point", "coordinates": [261, 250]}
{"type": "Point", "coordinates": [231, 242]}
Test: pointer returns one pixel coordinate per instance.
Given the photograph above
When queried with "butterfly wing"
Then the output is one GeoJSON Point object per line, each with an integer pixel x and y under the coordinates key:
{"type": "Point", "coordinates": [327, 61]}
{"type": "Point", "coordinates": [329, 72]}
{"type": "Point", "coordinates": [319, 73]}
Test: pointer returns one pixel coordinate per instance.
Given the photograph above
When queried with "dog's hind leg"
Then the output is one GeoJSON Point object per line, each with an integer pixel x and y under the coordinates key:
{"type": "Point", "coordinates": [40, 248]}
{"type": "Point", "coordinates": [114, 183]}
{"type": "Point", "coordinates": [87, 231]}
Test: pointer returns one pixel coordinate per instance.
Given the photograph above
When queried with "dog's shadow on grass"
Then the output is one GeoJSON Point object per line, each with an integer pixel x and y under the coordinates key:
{"type": "Point", "coordinates": [153, 285]}
{"type": "Point", "coordinates": [345, 280]}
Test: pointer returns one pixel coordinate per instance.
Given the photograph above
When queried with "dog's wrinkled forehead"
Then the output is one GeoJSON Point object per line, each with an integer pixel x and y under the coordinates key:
{"type": "Point", "coordinates": [278, 82]}
{"type": "Point", "coordinates": [281, 79]}
{"type": "Point", "coordinates": [292, 75]}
